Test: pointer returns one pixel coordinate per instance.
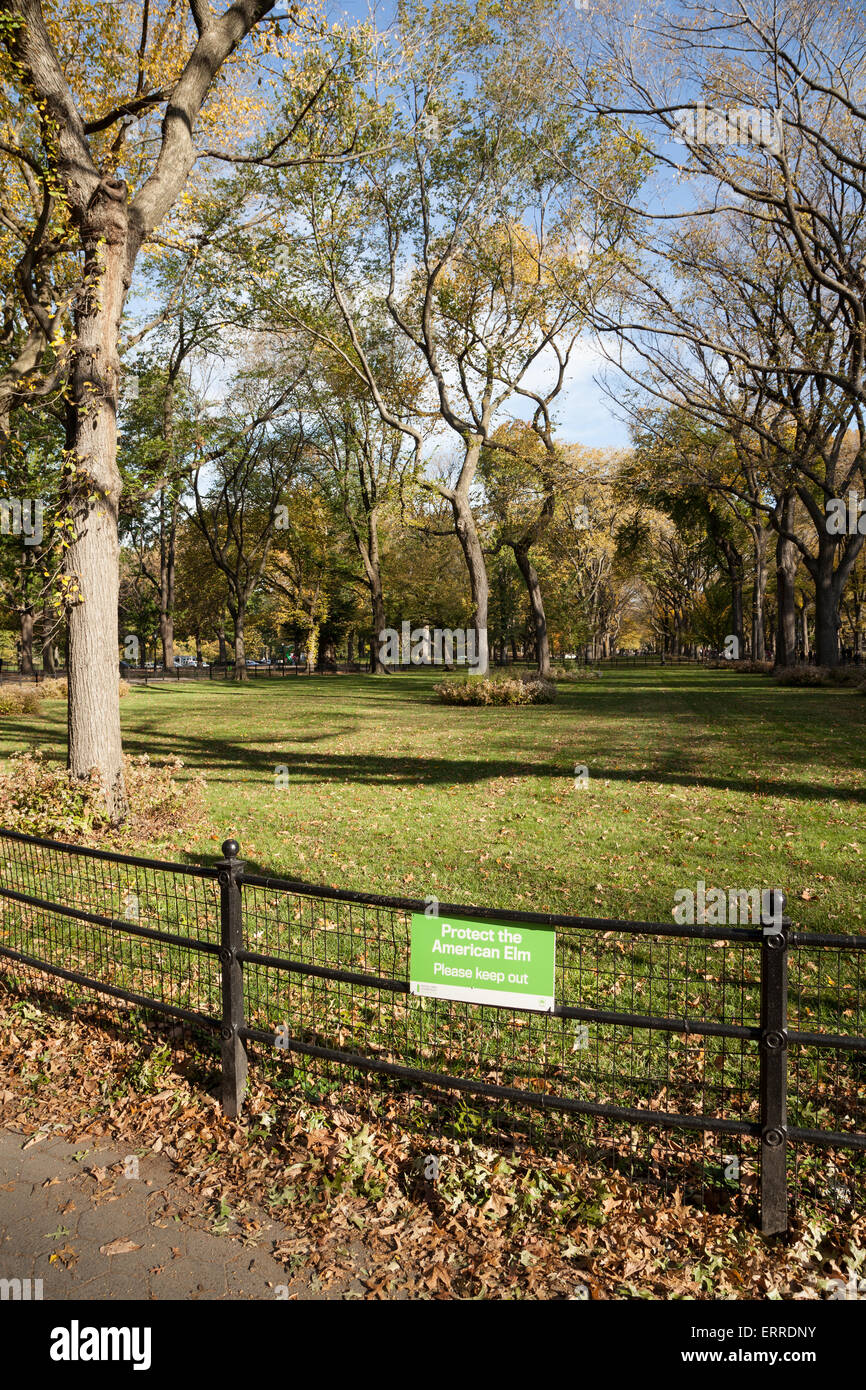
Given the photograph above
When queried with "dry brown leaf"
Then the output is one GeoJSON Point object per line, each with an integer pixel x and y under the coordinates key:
{"type": "Point", "coordinates": [119, 1247]}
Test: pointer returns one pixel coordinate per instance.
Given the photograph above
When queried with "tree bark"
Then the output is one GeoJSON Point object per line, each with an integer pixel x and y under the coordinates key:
{"type": "Point", "coordinates": [759, 589]}
{"type": "Point", "coordinates": [47, 639]}
{"type": "Point", "coordinates": [26, 623]}
{"type": "Point", "coordinates": [536, 604]}
{"type": "Point", "coordinates": [370, 559]}
{"type": "Point", "coordinates": [827, 620]}
{"type": "Point", "coordinates": [239, 616]}
{"type": "Point", "coordinates": [787, 563]}
{"type": "Point", "coordinates": [93, 495]}
{"type": "Point", "coordinates": [110, 233]}
{"type": "Point", "coordinates": [167, 572]}
{"type": "Point", "coordinates": [803, 624]}
{"type": "Point", "coordinates": [168, 516]}
{"type": "Point", "coordinates": [467, 534]}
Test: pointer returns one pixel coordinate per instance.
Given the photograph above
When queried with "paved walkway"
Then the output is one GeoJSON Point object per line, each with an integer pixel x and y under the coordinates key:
{"type": "Point", "coordinates": [70, 1216]}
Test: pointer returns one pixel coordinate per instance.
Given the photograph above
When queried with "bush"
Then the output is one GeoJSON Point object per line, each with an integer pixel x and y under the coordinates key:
{"type": "Point", "coordinates": [821, 675]}
{"type": "Point", "coordinates": [20, 698]}
{"type": "Point", "coordinates": [41, 798]}
{"type": "Point", "coordinates": [528, 690]}
{"type": "Point", "coordinates": [576, 673]}
{"type": "Point", "coordinates": [55, 688]}
{"type": "Point", "coordinates": [746, 667]}
{"type": "Point", "coordinates": [38, 797]}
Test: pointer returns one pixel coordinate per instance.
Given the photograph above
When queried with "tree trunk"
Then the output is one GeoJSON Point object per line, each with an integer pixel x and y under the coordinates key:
{"type": "Point", "coordinates": [536, 604]}
{"type": "Point", "coordinates": [803, 626]}
{"type": "Point", "coordinates": [199, 659]}
{"type": "Point", "coordinates": [168, 515]}
{"type": "Point", "coordinates": [377, 604]}
{"type": "Point", "coordinates": [734, 565]}
{"type": "Point", "coordinates": [368, 549]}
{"type": "Point", "coordinates": [168, 566]}
{"type": "Point", "coordinates": [221, 638]}
{"type": "Point", "coordinates": [759, 589]}
{"type": "Point", "coordinates": [327, 659]}
{"type": "Point", "coordinates": [464, 523]}
{"type": "Point", "coordinates": [27, 620]}
{"type": "Point", "coordinates": [48, 664]}
{"type": "Point", "coordinates": [831, 569]}
{"type": "Point", "coordinates": [241, 673]}
{"type": "Point", "coordinates": [787, 563]}
{"type": "Point", "coordinates": [93, 495]}
{"type": "Point", "coordinates": [826, 617]}
{"type": "Point", "coordinates": [166, 634]}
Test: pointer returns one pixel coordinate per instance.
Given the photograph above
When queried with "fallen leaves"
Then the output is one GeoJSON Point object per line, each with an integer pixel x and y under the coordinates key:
{"type": "Point", "coordinates": [119, 1247]}
{"type": "Point", "coordinates": [345, 1186]}
{"type": "Point", "coordinates": [66, 1257]}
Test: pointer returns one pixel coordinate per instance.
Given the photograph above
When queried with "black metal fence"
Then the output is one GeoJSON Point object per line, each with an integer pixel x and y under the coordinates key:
{"type": "Point", "coordinates": [744, 1042]}
{"type": "Point", "coordinates": [214, 670]}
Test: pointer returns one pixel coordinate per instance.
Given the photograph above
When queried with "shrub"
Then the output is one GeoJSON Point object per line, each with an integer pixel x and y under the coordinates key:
{"type": "Point", "coordinates": [576, 673]}
{"type": "Point", "coordinates": [38, 797]}
{"type": "Point", "coordinates": [746, 666]}
{"type": "Point", "coordinates": [529, 690]}
{"type": "Point", "coordinates": [56, 688]}
{"type": "Point", "coordinates": [41, 798]}
{"type": "Point", "coordinates": [20, 698]}
{"type": "Point", "coordinates": [821, 675]}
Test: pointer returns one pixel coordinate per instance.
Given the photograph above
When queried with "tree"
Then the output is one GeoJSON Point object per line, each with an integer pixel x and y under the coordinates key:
{"type": "Point", "coordinates": [758, 325]}
{"type": "Point", "coordinates": [91, 168]}
{"type": "Point", "coordinates": [457, 227]}
{"type": "Point", "coordinates": [249, 470]}
{"type": "Point", "coordinates": [365, 461]}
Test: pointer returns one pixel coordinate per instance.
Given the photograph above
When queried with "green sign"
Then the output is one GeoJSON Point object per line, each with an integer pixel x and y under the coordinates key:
{"type": "Point", "coordinates": [503, 963]}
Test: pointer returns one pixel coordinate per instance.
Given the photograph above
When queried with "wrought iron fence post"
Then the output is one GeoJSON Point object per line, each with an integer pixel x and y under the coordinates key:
{"type": "Point", "coordinates": [774, 1064]}
{"type": "Point", "coordinates": [234, 1057]}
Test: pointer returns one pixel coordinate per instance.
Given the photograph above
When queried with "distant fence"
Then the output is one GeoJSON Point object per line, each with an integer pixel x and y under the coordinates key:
{"type": "Point", "coordinates": [748, 1036]}
{"type": "Point", "coordinates": [214, 670]}
{"type": "Point", "coordinates": [16, 677]}
{"type": "Point", "coordinates": [225, 670]}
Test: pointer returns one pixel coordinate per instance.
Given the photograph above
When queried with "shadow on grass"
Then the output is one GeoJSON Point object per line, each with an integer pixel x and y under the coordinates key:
{"type": "Point", "coordinates": [385, 770]}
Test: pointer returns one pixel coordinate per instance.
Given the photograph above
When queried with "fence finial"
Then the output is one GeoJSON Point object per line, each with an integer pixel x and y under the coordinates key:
{"type": "Point", "coordinates": [231, 849]}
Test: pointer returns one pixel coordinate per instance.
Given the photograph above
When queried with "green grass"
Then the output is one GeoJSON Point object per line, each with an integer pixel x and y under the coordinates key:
{"type": "Point", "coordinates": [692, 775]}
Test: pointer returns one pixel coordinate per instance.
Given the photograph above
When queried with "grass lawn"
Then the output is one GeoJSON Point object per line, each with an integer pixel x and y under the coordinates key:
{"type": "Point", "coordinates": [693, 775]}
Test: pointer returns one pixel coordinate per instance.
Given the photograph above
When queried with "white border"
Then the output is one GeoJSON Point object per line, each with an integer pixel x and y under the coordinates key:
{"type": "Point", "coordinates": [500, 998]}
